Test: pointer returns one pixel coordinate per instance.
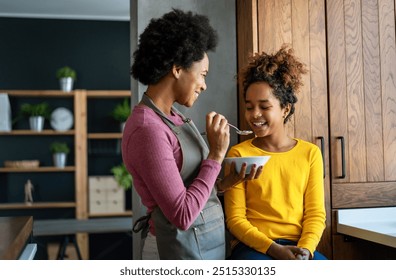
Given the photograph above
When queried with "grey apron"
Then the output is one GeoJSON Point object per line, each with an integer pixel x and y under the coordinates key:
{"type": "Point", "coordinates": [205, 239]}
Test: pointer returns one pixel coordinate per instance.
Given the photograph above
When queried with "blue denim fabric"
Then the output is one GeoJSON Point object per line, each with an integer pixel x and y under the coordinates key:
{"type": "Point", "coordinates": [243, 252]}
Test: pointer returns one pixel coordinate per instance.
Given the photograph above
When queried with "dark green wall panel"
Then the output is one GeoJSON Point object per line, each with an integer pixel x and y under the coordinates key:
{"type": "Point", "coordinates": [31, 50]}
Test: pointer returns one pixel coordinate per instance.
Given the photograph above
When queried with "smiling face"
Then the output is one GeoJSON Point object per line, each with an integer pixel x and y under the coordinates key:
{"type": "Point", "coordinates": [263, 111]}
{"type": "Point", "coordinates": [191, 81]}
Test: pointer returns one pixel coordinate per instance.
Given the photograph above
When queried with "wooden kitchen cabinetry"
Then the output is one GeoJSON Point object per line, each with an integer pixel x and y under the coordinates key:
{"type": "Point", "coordinates": [352, 116]}
{"type": "Point", "coordinates": [362, 86]}
{"type": "Point", "coordinates": [62, 191]}
{"type": "Point", "coordinates": [266, 26]}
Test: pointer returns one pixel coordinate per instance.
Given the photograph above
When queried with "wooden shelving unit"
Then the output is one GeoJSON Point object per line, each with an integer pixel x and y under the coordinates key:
{"type": "Point", "coordinates": [37, 169]}
{"type": "Point", "coordinates": [120, 214]}
{"type": "Point", "coordinates": [91, 96]}
{"type": "Point", "coordinates": [104, 136]}
{"type": "Point", "coordinates": [37, 205]}
{"type": "Point", "coordinates": [42, 95]}
{"type": "Point", "coordinates": [46, 132]}
{"type": "Point", "coordinates": [108, 93]}
{"type": "Point", "coordinates": [80, 101]}
{"type": "Point", "coordinates": [39, 93]}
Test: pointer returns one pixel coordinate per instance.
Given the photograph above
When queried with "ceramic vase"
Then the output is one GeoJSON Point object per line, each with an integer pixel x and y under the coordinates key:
{"type": "Point", "coordinates": [36, 123]}
{"type": "Point", "coordinates": [66, 84]}
{"type": "Point", "coordinates": [59, 160]}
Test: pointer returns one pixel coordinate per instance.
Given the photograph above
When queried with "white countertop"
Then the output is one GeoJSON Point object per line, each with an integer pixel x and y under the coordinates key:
{"type": "Point", "coordinates": [373, 224]}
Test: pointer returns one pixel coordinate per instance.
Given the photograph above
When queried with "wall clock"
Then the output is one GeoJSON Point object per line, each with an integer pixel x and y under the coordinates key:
{"type": "Point", "coordinates": [61, 119]}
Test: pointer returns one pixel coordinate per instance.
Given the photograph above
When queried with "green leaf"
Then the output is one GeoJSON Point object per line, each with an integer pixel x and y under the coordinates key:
{"type": "Point", "coordinates": [34, 110]}
{"type": "Point", "coordinates": [122, 176]}
{"type": "Point", "coordinates": [122, 111]}
{"type": "Point", "coordinates": [59, 147]}
{"type": "Point", "coordinates": [66, 72]}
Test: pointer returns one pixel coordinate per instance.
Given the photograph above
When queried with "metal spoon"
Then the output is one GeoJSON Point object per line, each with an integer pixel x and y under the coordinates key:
{"type": "Point", "coordinates": [240, 132]}
{"type": "Point", "coordinates": [237, 130]}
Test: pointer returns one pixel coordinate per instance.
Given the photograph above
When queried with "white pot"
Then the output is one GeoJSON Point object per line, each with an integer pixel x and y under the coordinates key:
{"type": "Point", "coordinates": [66, 84]}
{"type": "Point", "coordinates": [59, 160]}
{"type": "Point", "coordinates": [36, 123]}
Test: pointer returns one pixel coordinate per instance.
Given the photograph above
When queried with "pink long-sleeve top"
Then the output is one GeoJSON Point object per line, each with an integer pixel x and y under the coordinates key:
{"type": "Point", "coordinates": [152, 154]}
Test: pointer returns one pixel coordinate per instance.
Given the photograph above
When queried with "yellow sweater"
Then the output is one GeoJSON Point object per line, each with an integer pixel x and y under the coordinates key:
{"type": "Point", "coordinates": [287, 201]}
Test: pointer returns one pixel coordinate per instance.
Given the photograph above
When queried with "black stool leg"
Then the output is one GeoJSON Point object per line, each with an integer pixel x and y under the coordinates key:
{"type": "Point", "coordinates": [77, 248]}
{"type": "Point", "coordinates": [62, 248]}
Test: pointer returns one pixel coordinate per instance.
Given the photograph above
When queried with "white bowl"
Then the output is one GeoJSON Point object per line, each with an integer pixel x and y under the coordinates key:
{"type": "Point", "coordinates": [258, 160]}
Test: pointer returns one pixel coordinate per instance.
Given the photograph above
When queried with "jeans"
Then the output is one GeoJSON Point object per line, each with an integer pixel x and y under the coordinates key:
{"type": "Point", "coordinates": [243, 252]}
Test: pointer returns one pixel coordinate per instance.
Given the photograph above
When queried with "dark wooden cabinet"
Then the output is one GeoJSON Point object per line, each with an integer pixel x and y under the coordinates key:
{"type": "Point", "coordinates": [266, 26]}
{"type": "Point", "coordinates": [348, 104]}
{"type": "Point", "coordinates": [362, 54]}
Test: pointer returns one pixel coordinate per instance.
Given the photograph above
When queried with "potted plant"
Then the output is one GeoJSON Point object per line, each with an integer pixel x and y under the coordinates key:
{"type": "Point", "coordinates": [121, 112]}
{"type": "Point", "coordinates": [66, 77]}
{"type": "Point", "coordinates": [36, 113]}
{"type": "Point", "coordinates": [122, 176]}
{"type": "Point", "coordinates": [59, 151]}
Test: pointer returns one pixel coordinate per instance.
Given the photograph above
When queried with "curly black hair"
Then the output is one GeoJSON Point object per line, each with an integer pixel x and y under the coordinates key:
{"type": "Point", "coordinates": [282, 71]}
{"type": "Point", "coordinates": [177, 38]}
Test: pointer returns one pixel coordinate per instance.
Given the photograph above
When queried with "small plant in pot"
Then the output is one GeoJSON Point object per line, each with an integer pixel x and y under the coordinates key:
{"type": "Point", "coordinates": [121, 112]}
{"type": "Point", "coordinates": [59, 151]}
{"type": "Point", "coordinates": [37, 113]}
{"type": "Point", "coordinates": [122, 176]}
{"type": "Point", "coordinates": [66, 77]}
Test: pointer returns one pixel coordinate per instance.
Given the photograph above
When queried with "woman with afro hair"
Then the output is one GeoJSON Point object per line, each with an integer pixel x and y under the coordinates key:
{"type": "Point", "coordinates": [174, 171]}
{"type": "Point", "coordinates": [280, 215]}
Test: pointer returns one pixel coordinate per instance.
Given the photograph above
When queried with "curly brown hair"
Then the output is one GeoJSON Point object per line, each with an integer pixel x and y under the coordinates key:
{"type": "Point", "coordinates": [281, 70]}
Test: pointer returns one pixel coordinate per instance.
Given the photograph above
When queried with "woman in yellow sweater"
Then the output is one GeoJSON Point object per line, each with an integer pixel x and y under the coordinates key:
{"type": "Point", "coordinates": [280, 215]}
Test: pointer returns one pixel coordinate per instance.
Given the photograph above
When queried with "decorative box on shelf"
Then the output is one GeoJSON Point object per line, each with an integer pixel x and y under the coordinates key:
{"type": "Point", "coordinates": [105, 196]}
{"type": "Point", "coordinates": [21, 163]}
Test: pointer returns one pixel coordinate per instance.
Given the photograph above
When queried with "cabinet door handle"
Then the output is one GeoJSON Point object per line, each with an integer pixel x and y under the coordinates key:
{"type": "Point", "coordinates": [322, 148]}
{"type": "Point", "coordinates": [341, 138]}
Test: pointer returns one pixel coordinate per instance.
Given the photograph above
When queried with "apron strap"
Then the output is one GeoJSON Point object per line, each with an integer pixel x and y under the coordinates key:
{"type": "Point", "coordinates": [142, 224]}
